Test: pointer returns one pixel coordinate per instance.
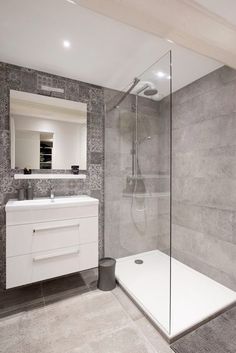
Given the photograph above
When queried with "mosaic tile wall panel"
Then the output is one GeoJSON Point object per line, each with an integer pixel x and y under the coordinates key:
{"type": "Point", "coordinates": [27, 80]}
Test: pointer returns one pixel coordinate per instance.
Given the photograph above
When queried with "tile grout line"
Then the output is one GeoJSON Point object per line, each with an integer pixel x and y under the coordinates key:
{"type": "Point", "coordinates": [134, 324]}
{"type": "Point", "coordinates": [42, 291]}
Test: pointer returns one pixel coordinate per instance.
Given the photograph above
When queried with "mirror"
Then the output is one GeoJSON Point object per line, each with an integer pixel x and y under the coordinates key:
{"type": "Point", "coordinates": [47, 132]}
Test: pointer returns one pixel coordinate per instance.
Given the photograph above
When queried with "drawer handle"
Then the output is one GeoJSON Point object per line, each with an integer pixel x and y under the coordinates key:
{"type": "Point", "coordinates": [54, 255]}
{"type": "Point", "coordinates": [55, 227]}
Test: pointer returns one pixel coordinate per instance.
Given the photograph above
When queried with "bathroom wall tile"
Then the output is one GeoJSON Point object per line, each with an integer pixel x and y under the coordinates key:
{"type": "Point", "coordinates": [114, 164]}
{"type": "Point", "coordinates": [24, 79]}
{"type": "Point", "coordinates": [211, 192]}
{"type": "Point", "coordinates": [2, 215]}
{"type": "Point", "coordinates": [213, 221]}
{"type": "Point", "coordinates": [95, 102]}
{"type": "Point", "coordinates": [163, 225]}
{"type": "Point", "coordinates": [112, 211]}
{"type": "Point", "coordinates": [95, 143]}
{"type": "Point", "coordinates": [51, 81]}
{"type": "Point", "coordinates": [206, 134]}
{"type": "Point", "coordinates": [163, 243]}
{"type": "Point", "coordinates": [112, 141]}
{"type": "Point", "coordinates": [203, 267]}
{"type": "Point", "coordinates": [111, 97]}
{"type": "Point", "coordinates": [131, 222]}
{"type": "Point", "coordinates": [95, 121]}
{"type": "Point", "coordinates": [2, 71]}
{"type": "Point", "coordinates": [96, 158]}
{"type": "Point", "coordinates": [4, 151]}
{"type": "Point", "coordinates": [95, 176]}
{"type": "Point", "coordinates": [4, 102]}
{"type": "Point", "coordinates": [206, 84]}
{"type": "Point", "coordinates": [112, 242]}
{"type": "Point", "coordinates": [136, 204]}
{"type": "Point", "coordinates": [206, 106]}
{"type": "Point", "coordinates": [112, 119]}
{"type": "Point", "coordinates": [149, 124]}
{"type": "Point", "coordinates": [13, 76]}
{"type": "Point", "coordinates": [148, 106]}
{"type": "Point", "coordinates": [204, 175]}
{"type": "Point", "coordinates": [72, 91]}
{"type": "Point", "coordinates": [227, 74]}
{"type": "Point", "coordinates": [138, 236]}
{"type": "Point", "coordinates": [163, 205]}
{"type": "Point", "coordinates": [28, 84]}
{"type": "Point", "coordinates": [206, 248]}
{"type": "Point", "coordinates": [213, 162]}
{"type": "Point", "coordinates": [113, 188]}
{"type": "Point", "coordinates": [84, 92]}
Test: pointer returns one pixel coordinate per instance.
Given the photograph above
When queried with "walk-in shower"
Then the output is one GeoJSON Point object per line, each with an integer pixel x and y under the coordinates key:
{"type": "Point", "coordinates": [139, 180]}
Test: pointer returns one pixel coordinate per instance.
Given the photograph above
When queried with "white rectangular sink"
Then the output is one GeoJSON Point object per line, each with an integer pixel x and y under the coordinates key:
{"type": "Point", "coordinates": [57, 202]}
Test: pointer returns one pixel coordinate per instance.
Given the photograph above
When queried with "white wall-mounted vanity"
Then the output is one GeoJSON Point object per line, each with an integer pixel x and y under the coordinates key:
{"type": "Point", "coordinates": [49, 238]}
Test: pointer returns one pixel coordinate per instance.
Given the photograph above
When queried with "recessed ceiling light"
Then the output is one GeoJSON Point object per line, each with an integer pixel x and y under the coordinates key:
{"type": "Point", "coordinates": [169, 40]}
{"type": "Point", "coordinates": [72, 2]}
{"type": "Point", "coordinates": [160, 74]}
{"type": "Point", "coordinates": [66, 44]}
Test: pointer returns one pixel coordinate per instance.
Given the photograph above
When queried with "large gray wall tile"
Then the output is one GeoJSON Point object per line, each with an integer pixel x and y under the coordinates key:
{"type": "Point", "coordinates": [204, 175]}
{"type": "Point", "coordinates": [132, 223]}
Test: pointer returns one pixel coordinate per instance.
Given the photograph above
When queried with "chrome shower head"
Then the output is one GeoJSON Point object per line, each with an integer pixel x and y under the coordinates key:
{"type": "Point", "coordinates": [147, 90]}
{"type": "Point", "coordinates": [142, 89]}
{"type": "Point", "coordinates": [150, 92]}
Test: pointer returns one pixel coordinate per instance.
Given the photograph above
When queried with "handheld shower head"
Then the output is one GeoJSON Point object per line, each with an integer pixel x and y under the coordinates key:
{"type": "Point", "coordinates": [146, 138]}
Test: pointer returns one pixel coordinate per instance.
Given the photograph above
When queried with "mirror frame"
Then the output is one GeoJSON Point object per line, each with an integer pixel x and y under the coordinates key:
{"type": "Point", "coordinates": [58, 102]}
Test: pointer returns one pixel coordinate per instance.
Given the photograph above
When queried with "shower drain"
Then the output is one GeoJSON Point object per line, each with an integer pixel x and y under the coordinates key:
{"type": "Point", "coordinates": [138, 262]}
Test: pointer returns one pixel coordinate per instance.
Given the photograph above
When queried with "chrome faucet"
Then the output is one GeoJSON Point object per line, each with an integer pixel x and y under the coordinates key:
{"type": "Point", "coordinates": [52, 195]}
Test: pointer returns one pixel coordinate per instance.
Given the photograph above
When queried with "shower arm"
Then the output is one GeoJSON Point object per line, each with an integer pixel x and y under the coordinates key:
{"type": "Point", "coordinates": [124, 95]}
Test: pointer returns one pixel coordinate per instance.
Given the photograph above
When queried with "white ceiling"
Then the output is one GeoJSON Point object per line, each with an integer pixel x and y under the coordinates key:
{"type": "Point", "coordinates": [103, 51]}
{"type": "Point", "coordinates": [223, 8]}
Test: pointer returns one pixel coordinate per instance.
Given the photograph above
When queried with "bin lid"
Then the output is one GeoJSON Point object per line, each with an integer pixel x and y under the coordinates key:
{"type": "Point", "coordinates": [107, 262]}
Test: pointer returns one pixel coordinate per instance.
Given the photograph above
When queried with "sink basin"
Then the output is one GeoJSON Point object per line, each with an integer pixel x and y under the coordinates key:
{"type": "Point", "coordinates": [61, 201]}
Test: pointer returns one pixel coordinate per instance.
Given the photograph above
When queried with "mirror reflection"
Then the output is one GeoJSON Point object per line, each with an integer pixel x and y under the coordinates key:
{"type": "Point", "coordinates": [47, 132]}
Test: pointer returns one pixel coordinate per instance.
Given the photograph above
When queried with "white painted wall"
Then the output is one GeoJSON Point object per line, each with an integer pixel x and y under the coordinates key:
{"type": "Point", "coordinates": [69, 139]}
{"type": "Point", "coordinates": [27, 152]}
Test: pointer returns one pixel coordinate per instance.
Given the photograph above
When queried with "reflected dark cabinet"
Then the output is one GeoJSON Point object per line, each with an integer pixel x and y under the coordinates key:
{"type": "Point", "coordinates": [46, 154]}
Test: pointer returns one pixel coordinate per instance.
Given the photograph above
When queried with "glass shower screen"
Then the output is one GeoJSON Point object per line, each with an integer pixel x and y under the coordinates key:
{"type": "Point", "coordinates": [138, 189]}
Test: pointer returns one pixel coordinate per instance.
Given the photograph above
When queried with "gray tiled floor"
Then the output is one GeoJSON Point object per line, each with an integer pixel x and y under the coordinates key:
{"type": "Point", "coordinates": [38, 294]}
{"type": "Point", "coordinates": [69, 315]}
{"type": "Point", "coordinates": [80, 319]}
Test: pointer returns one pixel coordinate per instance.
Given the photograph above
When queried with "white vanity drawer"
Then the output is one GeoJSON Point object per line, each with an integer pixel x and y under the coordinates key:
{"type": "Point", "coordinates": [43, 265]}
{"type": "Point", "coordinates": [51, 214]}
{"type": "Point", "coordinates": [31, 238]}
